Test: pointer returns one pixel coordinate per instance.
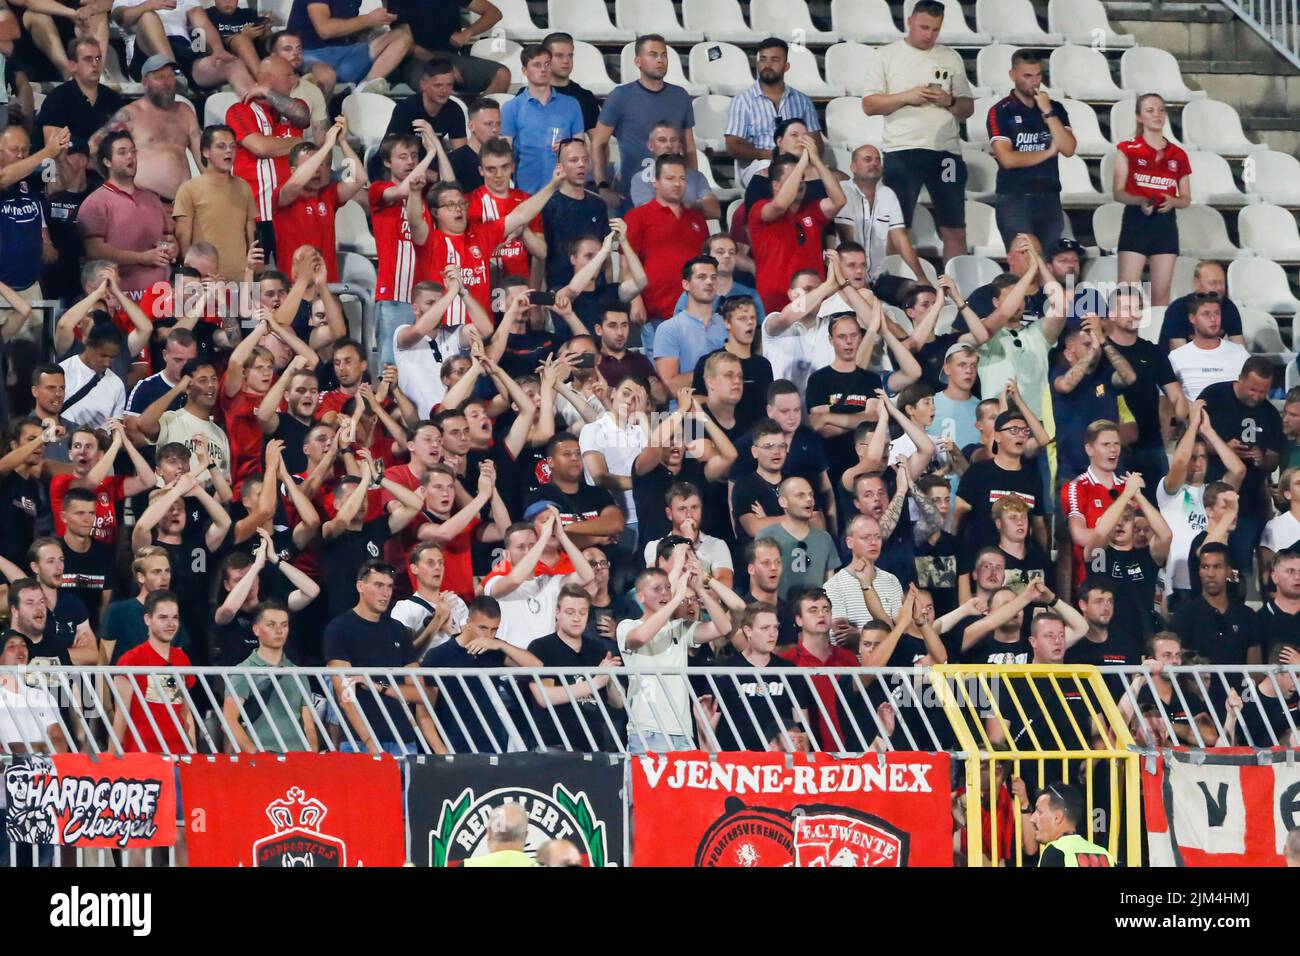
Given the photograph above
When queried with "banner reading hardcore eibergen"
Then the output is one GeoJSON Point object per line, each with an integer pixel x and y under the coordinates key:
{"type": "Point", "coordinates": [1224, 809]}
{"type": "Point", "coordinates": [299, 809]}
{"type": "Point", "coordinates": [576, 797]}
{"type": "Point", "coordinates": [770, 809]}
{"type": "Point", "coordinates": [117, 803]}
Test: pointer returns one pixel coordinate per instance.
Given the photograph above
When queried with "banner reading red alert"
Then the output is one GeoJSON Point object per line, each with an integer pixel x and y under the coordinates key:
{"type": "Point", "coordinates": [296, 810]}
{"type": "Point", "coordinates": [772, 809]}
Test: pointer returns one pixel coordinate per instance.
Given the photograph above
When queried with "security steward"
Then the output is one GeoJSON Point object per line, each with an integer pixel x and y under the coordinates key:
{"type": "Point", "coordinates": [1058, 809]}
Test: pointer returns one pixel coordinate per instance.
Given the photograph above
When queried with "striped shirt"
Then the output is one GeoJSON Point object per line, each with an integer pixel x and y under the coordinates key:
{"type": "Point", "coordinates": [753, 116]}
{"type": "Point", "coordinates": [262, 175]}
{"type": "Point", "coordinates": [848, 600]}
{"type": "Point", "coordinates": [397, 258]}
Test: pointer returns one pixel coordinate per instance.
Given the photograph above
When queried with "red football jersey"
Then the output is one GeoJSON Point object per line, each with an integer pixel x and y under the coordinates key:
{"type": "Point", "coordinates": [1089, 497]}
{"type": "Point", "coordinates": [397, 257]}
{"type": "Point", "coordinates": [471, 251]}
{"type": "Point", "coordinates": [782, 248]}
{"type": "Point", "coordinates": [239, 414]}
{"type": "Point", "coordinates": [263, 175]}
{"type": "Point", "coordinates": [1153, 173]}
{"type": "Point", "coordinates": [161, 692]}
{"type": "Point", "coordinates": [308, 221]}
{"type": "Point", "coordinates": [107, 495]}
{"type": "Point", "coordinates": [665, 242]}
{"type": "Point", "coordinates": [485, 207]}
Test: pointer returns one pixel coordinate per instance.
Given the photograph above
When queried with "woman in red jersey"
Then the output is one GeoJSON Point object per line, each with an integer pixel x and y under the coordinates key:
{"type": "Point", "coordinates": [1151, 180]}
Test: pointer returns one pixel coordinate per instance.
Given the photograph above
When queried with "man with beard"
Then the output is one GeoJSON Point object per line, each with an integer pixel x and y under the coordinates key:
{"type": "Point", "coordinates": [299, 391]}
{"type": "Point", "coordinates": [193, 420]}
{"type": "Point", "coordinates": [753, 115]}
{"type": "Point", "coordinates": [163, 129]}
{"type": "Point", "coordinates": [873, 218]}
{"type": "Point", "coordinates": [1112, 640]}
{"type": "Point", "coordinates": [217, 206]}
{"type": "Point", "coordinates": [809, 552]}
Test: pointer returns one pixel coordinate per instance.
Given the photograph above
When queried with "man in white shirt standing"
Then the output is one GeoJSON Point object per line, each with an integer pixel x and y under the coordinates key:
{"type": "Point", "coordinates": [796, 340]}
{"type": "Point", "coordinates": [528, 600]}
{"type": "Point", "coordinates": [1284, 530]}
{"type": "Point", "coordinates": [610, 446]}
{"type": "Point", "coordinates": [94, 392]}
{"type": "Point", "coordinates": [1208, 357]}
{"type": "Point", "coordinates": [922, 91]}
{"type": "Point", "coordinates": [873, 219]}
{"type": "Point", "coordinates": [432, 615]}
{"type": "Point", "coordinates": [685, 508]}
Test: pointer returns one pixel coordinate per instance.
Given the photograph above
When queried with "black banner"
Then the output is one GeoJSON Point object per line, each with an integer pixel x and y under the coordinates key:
{"type": "Point", "coordinates": [575, 797]}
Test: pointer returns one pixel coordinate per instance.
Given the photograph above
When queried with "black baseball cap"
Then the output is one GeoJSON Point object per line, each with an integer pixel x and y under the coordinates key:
{"type": "Point", "coordinates": [1067, 245]}
{"type": "Point", "coordinates": [78, 144]}
{"type": "Point", "coordinates": [1006, 418]}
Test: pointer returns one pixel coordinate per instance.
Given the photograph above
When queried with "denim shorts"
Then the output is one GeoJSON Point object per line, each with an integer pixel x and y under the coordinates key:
{"type": "Point", "coordinates": [350, 62]}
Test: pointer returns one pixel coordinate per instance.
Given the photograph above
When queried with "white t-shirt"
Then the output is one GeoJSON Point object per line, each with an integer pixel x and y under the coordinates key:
{"type": "Point", "coordinates": [1184, 512]}
{"type": "Point", "coordinates": [620, 446]}
{"type": "Point", "coordinates": [178, 425]}
{"type": "Point", "coordinates": [414, 615]}
{"type": "Point", "coordinates": [1280, 533]}
{"type": "Point", "coordinates": [900, 66]}
{"type": "Point", "coordinates": [419, 368]}
{"type": "Point", "coordinates": [798, 351]}
{"type": "Point", "coordinates": [1197, 367]}
{"type": "Point", "coordinates": [871, 224]}
{"type": "Point", "coordinates": [175, 22]}
{"type": "Point", "coordinates": [528, 612]}
{"type": "Point", "coordinates": [712, 552]}
{"type": "Point", "coordinates": [26, 715]}
{"type": "Point", "coordinates": [106, 400]}
{"type": "Point", "coordinates": [660, 704]}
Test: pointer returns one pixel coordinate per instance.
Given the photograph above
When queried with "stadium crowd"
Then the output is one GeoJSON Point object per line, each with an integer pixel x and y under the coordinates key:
{"type": "Point", "coordinates": [586, 427]}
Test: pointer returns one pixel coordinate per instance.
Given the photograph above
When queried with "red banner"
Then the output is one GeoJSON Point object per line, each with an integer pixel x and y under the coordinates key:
{"type": "Point", "coordinates": [295, 810]}
{"type": "Point", "coordinates": [772, 809]}
{"type": "Point", "coordinates": [1225, 809]}
{"type": "Point", "coordinates": [112, 803]}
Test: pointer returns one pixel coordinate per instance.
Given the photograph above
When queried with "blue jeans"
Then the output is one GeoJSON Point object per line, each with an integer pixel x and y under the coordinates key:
{"type": "Point", "coordinates": [350, 62]}
{"type": "Point", "coordinates": [388, 317]}
{"type": "Point", "coordinates": [651, 741]}
{"type": "Point", "coordinates": [1038, 214]}
{"type": "Point", "coordinates": [648, 337]}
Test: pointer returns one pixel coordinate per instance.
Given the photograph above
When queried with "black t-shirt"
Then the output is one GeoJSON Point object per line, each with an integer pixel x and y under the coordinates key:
{"type": "Point", "coordinates": [752, 711]}
{"type": "Point", "coordinates": [585, 503]}
{"type": "Point", "coordinates": [487, 734]}
{"type": "Point", "coordinates": [992, 651]}
{"type": "Point", "coordinates": [587, 101]}
{"type": "Point", "coordinates": [235, 640]}
{"type": "Point", "coordinates": [1151, 365]}
{"type": "Point", "coordinates": [52, 649]}
{"type": "Point", "coordinates": [982, 485]}
{"type": "Point", "coordinates": [342, 556]}
{"type": "Point", "coordinates": [805, 458]}
{"type": "Point", "coordinates": [1035, 565]}
{"type": "Point", "coordinates": [231, 24]}
{"type": "Point", "coordinates": [553, 652]}
{"type": "Point", "coordinates": [63, 277]}
{"type": "Point", "coordinates": [1173, 708]}
{"type": "Point", "coordinates": [590, 307]}
{"type": "Point", "coordinates": [293, 433]}
{"type": "Point", "coordinates": [1259, 425]}
{"type": "Point", "coordinates": [1221, 638]}
{"type": "Point", "coordinates": [648, 492]}
{"type": "Point", "coordinates": [88, 575]}
{"type": "Point", "coordinates": [21, 499]}
{"type": "Point", "coordinates": [525, 350]}
{"type": "Point", "coordinates": [1255, 727]}
{"type": "Point", "coordinates": [846, 393]}
{"type": "Point", "coordinates": [464, 163]}
{"type": "Point", "coordinates": [1278, 627]}
{"type": "Point", "coordinates": [1178, 324]}
{"type": "Point", "coordinates": [936, 571]}
{"type": "Point", "coordinates": [366, 644]}
{"type": "Point", "coordinates": [66, 105]}
{"type": "Point", "coordinates": [61, 624]}
{"type": "Point", "coordinates": [1135, 574]}
{"type": "Point", "coordinates": [1120, 649]}
{"type": "Point", "coordinates": [1236, 582]}
{"type": "Point", "coordinates": [748, 490]}
{"type": "Point", "coordinates": [752, 408]}
{"type": "Point", "coordinates": [564, 220]}
{"type": "Point", "coordinates": [449, 121]}
{"type": "Point", "coordinates": [432, 24]}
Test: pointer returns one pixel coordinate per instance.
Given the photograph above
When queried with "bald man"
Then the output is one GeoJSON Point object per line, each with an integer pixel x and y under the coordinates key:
{"type": "Point", "coordinates": [506, 836]}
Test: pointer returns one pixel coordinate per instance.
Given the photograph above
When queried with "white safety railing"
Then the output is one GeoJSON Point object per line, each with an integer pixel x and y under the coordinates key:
{"type": "Point", "coordinates": [1277, 21]}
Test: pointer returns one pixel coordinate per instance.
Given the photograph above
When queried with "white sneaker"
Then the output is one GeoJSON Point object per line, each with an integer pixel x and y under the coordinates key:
{"type": "Point", "coordinates": [379, 86]}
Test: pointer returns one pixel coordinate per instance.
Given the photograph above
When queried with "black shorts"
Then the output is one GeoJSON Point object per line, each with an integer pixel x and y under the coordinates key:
{"type": "Point", "coordinates": [890, 288]}
{"type": "Point", "coordinates": [1153, 235]}
{"type": "Point", "coordinates": [181, 52]}
{"type": "Point", "coordinates": [943, 174]}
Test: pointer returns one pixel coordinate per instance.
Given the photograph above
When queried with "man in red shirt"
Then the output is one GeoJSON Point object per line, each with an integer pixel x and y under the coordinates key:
{"type": "Point", "coordinates": [456, 530]}
{"type": "Point", "coordinates": [307, 202]}
{"type": "Point", "coordinates": [248, 376]}
{"type": "Point", "coordinates": [665, 234]}
{"type": "Point", "coordinates": [267, 123]}
{"type": "Point", "coordinates": [1085, 499]}
{"type": "Point", "coordinates": [812, 613]}
{"type": "Point", "coordinates": [350, 367]}
{"type": "Point", "coordinates": [91, 468]}
{"type": "Point", "coordinates": [163, 695]}
{"type": "Point", "coordinates": [453, 241]}
{"type": "Point", "coordinates": [496, 199]}
{"type": "Point", "coordinates": [785, 232]}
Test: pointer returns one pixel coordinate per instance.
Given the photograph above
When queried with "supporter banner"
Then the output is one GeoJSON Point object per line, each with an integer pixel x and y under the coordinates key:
{"type": "Point", "coordinates": [114, 803]}
{"type": "Point", "coordinates": [575, 797]}
{"type": "Point", "coordinates": [1226, 809]}
{"type": "Point", "coordinates": [301, 809]}
{"type": "Point", "coordinates": [771, 809]}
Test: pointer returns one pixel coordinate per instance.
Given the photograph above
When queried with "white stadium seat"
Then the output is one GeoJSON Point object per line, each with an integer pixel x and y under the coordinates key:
{"type": "Point", "coordinates": [1105, 225]}
{"type": "Point", "coordinates": [587, 19]}
{"type": "Point", "coordinates": [1082, 73]}
{"type": "Point", "coordinates": [925, 237]}
{"type": "Point", "coordinates": [895, 266]}
{"type": "Point", "coordinates": [992, 65]}
{"type": "Point", "coordinates": [368, 115]}
{"type": "Point", "coordinates": [501, 98]}
{"type": "Point", "coordinates": [981, 176]}
{"type": "Point", "coordinates": [629, 72]}
{"type": "Point", "coordinates": [277, 10]}
{"type": "Point", "coordinates": [1184, 276]}
{"type": "Point", "coordinates": [722, 67]}
{"type": "Point", "coordinates": [711, 121]}
{"type": "Point", "coordinates": [1013, 21]}
{"type": "Point", "coordinates": [705, 167]}
{"type": "Point", "coordinates": [977, 130]}
{"type": "Point", "coordinates": [214, 110]}
{"type": "Point", "coordinates": [1270, 231]}
{"type": "Point", "coordinates": [1123, 122]}
{"type": "Point", "coordinates": [847, 65]}
{"type": "Point", "coordinates": [791, 21]}
{"type": "Point", "coordinates": [1203, 234]}
{"type": "Point", "coordinates": [1263, 337]}
{"type": "Point", "coordinates": [803, 75]}
{"type": "Point", "coordinates": [1274, 177]}
{"type": "Point", "coordinates": [1148, 69]}
{"type": "Point", "coordinates": [589, 69]}
{"type": "Point", "coordinates": [982, 236]}
{"type": "Point", "coordinates": [1215, 126]}
{"type": "Point", "coordinates": [955, 31]}
{"type": "Point", "coordinates": [971, 272]}
{"type": "Point", "coordinates": [848, 126]}
{"type": "Point", "coordinates": [1212, 181]}
{"type": "Point", "coordinates": [654, 16]}
{"type": "Point", "coordinates": [359, 277]}
{"type": "Point", "coordinates": [352, 231]}
{"type": "Point", "coordinates": [1261, 284]}
{"type": "Point", "coordinates": [866, 21]}
{"type": "Point", "coordinates": [1086, 129]}
{"type": "Point", "coordinates": [1077, 190]}
{"type": "Point", "coordinates": [505, 52]}
{"type": "Point", "coordinates": [1153, 320]}
{"type": "Point", "coordinates": [1084, 22]}
{"type": "Point", "coordinates": [719, 20]}
{"type": "Point", "coordinates": [1101, 270]}
{"type": "Point", "coordinates": [517, 21]}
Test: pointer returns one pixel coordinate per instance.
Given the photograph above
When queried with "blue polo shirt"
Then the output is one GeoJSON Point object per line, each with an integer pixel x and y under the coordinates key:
{"type": "Point", "coordinates": [22, 217]}
{"type": "Point", "coordinates": [1026, 130]}
{"type": "Point", "coordinates": [687, 339]}
{"type": "Point", "coordinates": [534, 128]}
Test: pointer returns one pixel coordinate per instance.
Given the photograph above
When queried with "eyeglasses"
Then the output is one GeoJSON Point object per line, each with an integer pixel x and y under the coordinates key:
{"type": "Point", "coordinates": [770, 446]}
{"type": "Point", "coordinates": [459, 204]}
{"type": "Point", "coordinates": [597, 565]}
{"type": "Point", "coordinates": [1017, 430]}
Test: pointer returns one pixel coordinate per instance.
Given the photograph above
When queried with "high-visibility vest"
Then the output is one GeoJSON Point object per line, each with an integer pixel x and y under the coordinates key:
{"type": "Point", "coordinates": [1080, 852]}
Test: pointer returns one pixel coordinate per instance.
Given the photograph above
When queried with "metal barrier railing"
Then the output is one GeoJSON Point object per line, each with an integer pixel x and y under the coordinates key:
{"type": "Point", "coordinates": [1277, 21]}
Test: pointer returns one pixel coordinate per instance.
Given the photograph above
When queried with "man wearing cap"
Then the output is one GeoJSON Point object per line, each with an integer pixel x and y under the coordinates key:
{"type": "Point", "coordinates": [163, 129]}
{"type": "Point", "coordinates": [954, 407]}
{"type": "Point", "coordinates": [1004, 474]}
